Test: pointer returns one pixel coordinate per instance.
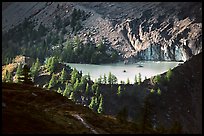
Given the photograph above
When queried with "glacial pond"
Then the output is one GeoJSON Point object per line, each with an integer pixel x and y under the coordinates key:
{"type": "Point", "coordinates": [123, 71]}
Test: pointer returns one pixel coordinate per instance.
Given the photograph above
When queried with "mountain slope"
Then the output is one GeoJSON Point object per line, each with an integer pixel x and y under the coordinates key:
{"type": "Point", "coordinates": [137, 30]}
{"type": "Point", "coordinates": [28, 109]}
{"type": "Point", "coordinates": [181, 98]}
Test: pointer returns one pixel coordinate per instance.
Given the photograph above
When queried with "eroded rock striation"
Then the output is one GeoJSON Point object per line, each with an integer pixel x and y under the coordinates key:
{"type": "Point", "coordinates": [137, 30]}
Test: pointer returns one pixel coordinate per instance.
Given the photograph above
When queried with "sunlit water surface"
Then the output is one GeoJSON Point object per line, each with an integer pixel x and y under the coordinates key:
{"type": "Point", "coordinates": [146, 68]}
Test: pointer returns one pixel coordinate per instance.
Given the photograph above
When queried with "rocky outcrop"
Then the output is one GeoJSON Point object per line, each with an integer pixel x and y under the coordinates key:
{"type": "Point", "coordinates": [163, 37]}
{"type": "Point", "coordinates": [139, 30]}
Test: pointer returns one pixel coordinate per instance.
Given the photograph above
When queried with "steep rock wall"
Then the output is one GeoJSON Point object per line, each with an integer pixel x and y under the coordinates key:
{"type": "Point", "coordinates": [159, 36]}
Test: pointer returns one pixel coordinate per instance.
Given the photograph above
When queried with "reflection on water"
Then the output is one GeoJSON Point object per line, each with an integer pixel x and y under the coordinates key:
{"type": "Point", "coordinates": [122, 71]}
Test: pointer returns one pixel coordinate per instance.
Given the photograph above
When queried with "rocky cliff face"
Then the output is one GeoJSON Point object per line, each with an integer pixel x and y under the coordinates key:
{"type": "Point", "coordinates": [163, 33]}
{"type": "Point", "coordinates": [139, 30]}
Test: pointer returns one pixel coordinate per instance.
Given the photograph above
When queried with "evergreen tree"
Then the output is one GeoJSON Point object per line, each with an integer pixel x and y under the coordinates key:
{"type": "Point", "coordinates": [100, 80]}
{"type": "Point", "coordinates": [82, 83]}
{"type": "Point", "coordinates": [52, 82]}
{"type": "Point", "coordinates": [48, 62]}
{"type": "Point", "coordinates": [76, 85]}
{"type": "Point", "coordinates": [37, 65]}
{"type": "Point", "coordinates": [119, 90]}
{"type": "Point", "coordinates": [114, 79]}
{"type": "Point", "coordinates": [66, 90]}
{"type": "Point", "coordinates": [59, 90]}
{"type": "Point", "coordinates": [157, 79]}
{"type": "Point", "coordinates": [158, 91]}
{"type": "Point", "coordinates": [52, 65]}
{"type": "Point", "coordinates": [152, 90]}
{"type": "Point", "coordinates": [26, 76]}
{"type": "Point", "coordinates": [35, 68]}
{"type": "Point", "coordinates": [92, 104]}
{"type": "Point", "coordinates": [97, 91]}
{"type": "Point", "coordinates": [87, 89]}
{"type": "Point", "coordinates": [96, 103]}
{"type": "Point", "coordinates": [139, 79]}
{"type": "Point", "coordinates": [8, 77]}
{"type": "Point", "coordinates": [109, 78]}
{"type": "Point", "coordinates": [19, 72]}
{"type": "Point", "coordinates": [74, 76]}
{"type": "Point", "coordinates": [94, 87]}
{"type": "Point", "coordinates": [104, 79]}
{"type": "Point", "coordinates": [122, 82]}
{"type": "Point", "coordinates": [135, 80]}
{"type": "Point", "coordinates": [128, 81]}
{"type": "Point", "coordinates": [100, 107]}
{"type": "Point", "coordinates": [88, 77]}
{"type": "Point", "coordinates": [63, 76]}
{"type": "Point", "coordinates": [169, 75]}
{"type": "Point", "coordinates": [72, 96]}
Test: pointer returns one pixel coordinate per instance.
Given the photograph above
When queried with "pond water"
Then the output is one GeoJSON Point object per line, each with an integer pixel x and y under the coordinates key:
{"type": "Point", "coordinates": [123, 71]}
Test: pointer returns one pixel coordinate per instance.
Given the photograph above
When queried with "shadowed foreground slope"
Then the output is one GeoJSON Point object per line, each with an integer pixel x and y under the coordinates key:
{"type": "Point", "coordinates": [181, 97]}
{"type": "Point", "coordinates": [29, 109]}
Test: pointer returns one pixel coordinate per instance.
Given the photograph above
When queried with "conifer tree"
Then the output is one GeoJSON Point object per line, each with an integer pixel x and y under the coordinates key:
{"type": "Point", "coordinates": [26, 76]}
{"type": "Point", "coordinates": [122, 82]}
{"type": "Point", "coordinates": [88, 77]}
{"type": "Point", "coordinates": [109, 78]}
{"type": "Point", "coordinates": [139, 79]}
{"type": "Point", "coordinates": [59, 90]}
{"type": "Point", "coordinates": [76, 85]}
{"type": "Point", "coordinates": [159, 91]}
{"type": "Point", "coordinates": [152, 90]}
{"type": "Point", "coordinates": [119, 90]}
{"type": "Point", "coordinates": [52, 65]}
{"type": "Point", "coordinates": [52, 81]}
{"type": "Point", "coordinates": [19, 72]}
{"type": "Point", "coordinates": [94, 87]}
{"type": "Point", "coordinates": [128, 81]}
{"type": "Point", "coordinates": [169, 75]}
{"type": "Point", "coordinates": [63, 76]}
{"type": "Point", "coordinates": [97, 91]}
{"type": "Point", "coordinates": [100, 80]}
{"type": "Point", "coordinates": [87, 89]}
{"type": "Point", "coordinates": [48, 62]}
{"type": "Point", "coordinates": [8, 77]}
{"type": "Point", "coordinates": [35, 68]}
{"type": "Point", "coordinates": [100, 107]}
{"type": "Point", "coordinates": [114, 79]}
{"type": "Point", "coordinates": [72, 96]}
{"type": "Point", "coordinates": [74, 76]}
{"type": "Point", "coordinates": [96, 103]}
{"type": "Point", "coordinates": [135, 80]}
{"type": "Point", "coordinates": [68, 89]}
{"type": "Point", "coordinates": [92, 104]}
{"type": "Point", "coordinates": [37, 64]}
{"type": "Point", "coordinates": [104, 79]}
{"type": "Point", "coordinates": [157, 79]}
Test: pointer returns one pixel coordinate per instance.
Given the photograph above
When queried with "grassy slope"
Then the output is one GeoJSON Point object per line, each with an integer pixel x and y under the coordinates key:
{"type": "Point", "coordinates": [49, 112]}
{"type": "Point", "coordinates": [181, 97]}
